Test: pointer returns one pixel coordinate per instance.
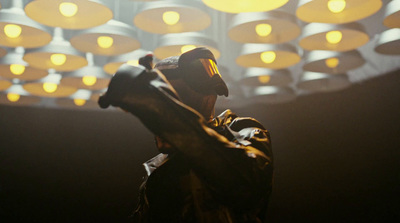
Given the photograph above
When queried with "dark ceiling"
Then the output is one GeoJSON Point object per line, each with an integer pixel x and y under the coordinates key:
{"type": "Point", "coordinates": [336, 156]}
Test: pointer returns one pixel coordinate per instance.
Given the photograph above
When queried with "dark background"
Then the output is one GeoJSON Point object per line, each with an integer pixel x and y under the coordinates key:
{"type": "Point", "coordinates": [336, 158]}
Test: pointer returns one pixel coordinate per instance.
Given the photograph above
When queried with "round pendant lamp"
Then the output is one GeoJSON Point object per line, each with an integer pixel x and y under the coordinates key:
{"type": "Point", "coordinates": [262, 77]}
{"type": "Point", "coordinates": [91, 77]}
{"type": "Point", "coordinates": [392, 14]}
{"type": "Point", "coordinates": [264, 27]}
{"type": "Point", "coordinates": [58, 55]}
{"type": "Point", "coordinates": [79, 100]}
{"type": "Point", "coordinates": [343, 37]}
{"type": "Point", "coordinates": [164, 17]}
{"type": "Point", "coordinates": [268, 56]}
{"type": "Point", "coordinates": [49, 86]}
{"type": "Point", "coordinates": [113, 63]}
{"type": "Point", "coordinates": [112, 38]}
{"type": "Point", "coordinates": [320, 82]}
{"type": "Point", "coordinates": [238, 6]}
{"type": "Point", "coordinates": [16, 95]}
{"type": "Point", "coordinates": [178, 43]}
{"type": "Point", "coordinates": [332, 62]}
{"type": "Point", "coordinates": [336, 11]}
{"type": "Point", "coordinates": [270, 94]}
{"type": "Point", "coordinates": [389, 42]}
{"type": "Point", "coordinates": [18, 30]}
{"type": "Point", "coordinates": [13, 66]}
{"type": "Point", "coordinates": [75, 14]}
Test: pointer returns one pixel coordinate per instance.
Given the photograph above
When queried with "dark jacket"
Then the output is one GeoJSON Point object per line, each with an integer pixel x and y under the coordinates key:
{"type": "Point", "coordinates": [222, 171]}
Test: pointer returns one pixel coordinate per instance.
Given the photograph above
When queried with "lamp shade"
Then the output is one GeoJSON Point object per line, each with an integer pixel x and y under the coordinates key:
{"type": "Point", "coordinates": [264, 27]}
{"type": "Point", "coordinates": [270, 94]}
{"type": "Point", "coordinates": [332, 62]}
{"type": "Point", "coordinates": [342, 37]}
{"type": "Point", "coordinates": [262, 76]}
{"type": "Point", "coordinates": [238, 6]}
{"type": "Point", "coordinates": [80, 99]}
{"type": "Point", "coordinates": [389, 42]}
{"type": "Point", "coordinates": [320, 82]}
{"type": "Point", "coordinates": [177, 43]}
{"type": "Point", "coordinates": [89, 77]}
{"type": "Point", "coordinates": [58, 55]}
{"type": "Point", "coordinates": [268, 56]}
{"type": "Point", "coordinates": [49, 86]}
{"type": "Point", "coordinates": [112, 38]}
{"type": "Point", "coordinates": [16, 95]}
{"type": "Point", "coordinates": [19, 30]}
{"type": "Point", "coordinates": [76, 14]}
{"type": "Point", "coordinates": [336, 12]}
{"type": "Point", "coordinates": [113, 63]}
{"type": "Point", "coordinates": [13, 66]}
{"type": "Point", "coordinates": [164, 17]}
{"type": "Point", "coordinates": [392, 14]}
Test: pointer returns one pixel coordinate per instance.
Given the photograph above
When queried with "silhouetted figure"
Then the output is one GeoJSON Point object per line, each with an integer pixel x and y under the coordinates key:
{"type": "Point", "coordinates": [210, 169]}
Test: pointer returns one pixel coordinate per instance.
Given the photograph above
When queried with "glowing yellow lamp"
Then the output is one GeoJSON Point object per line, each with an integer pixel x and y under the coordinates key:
{"type": "Point", "coordinates": [105, 41]}
{"type": "Point", "coordinates": [49, 87]}
{"type": "Point", "coordinates": [264, 79]}
{"type": "Point", "coordinates": [17, 69]}
{"type": "Point", "coordinates": [89, 80]}
{"type": "Point", "coordinates": [13, 97]}
{"type": "Point", "coordinates": [68, 9]}
{"type": "Point", "coordinates": [12, 31]}
{"type": "Point", "coordinates": [133, 62]}
{"type": "Point", "coordinates": [268, 57]}
{"type": "Point", "coordinates": [263, 29]}
{"type": "Point", "coordinates": [171, 17]}
{"type": "Point", "coordinates": [333, 37]}
{"type": "Point", "coordinates": [336, 6]}
{"type": "Point", "coordinates": [186, 48]}
{"type": "Point", "coordinates": [79, 102]}
{"type": "Point", "coordinates": [58, 59]}
{"type": "Point", "coordinates": [332, 62]}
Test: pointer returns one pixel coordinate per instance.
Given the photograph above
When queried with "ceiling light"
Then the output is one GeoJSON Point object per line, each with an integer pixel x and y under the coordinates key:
{"type": "Point", "coordinates": [131, 58]}
{"type": "Point", "coordinates": [268, 56]}
{"type": "Point", "coordinates": [264, 27]}
{"type": "Point", "coordinates": [392, 14]}
{"type": "Point", "coordinates": [164, 17]}
{"type": "Point", "coordinates": [269, 94]}
{"type": "Point", "coordinates": [59, 55]}
{"type": "Point", "coordinates": [238, 6]}
{"type": "Point", "coordinates": [16, 95]}
{"type": "Point", "coordinates": [321, 82]}
{"type": "Point", "coordinates": [110, 39]}
{"type": "Point", "coordinates": [170, 17]}
{"type": "Point", "coordinates": [336, 6]}
{"type": "Point", "coordinates": [49, 86]}
{"type": "Point", "coordinates": [262, 76]}
{"type": "Point", "coordinates": [13, 66]}
{"type": "Point", "coordinates": [91, 77]}
{"type": "Point", "coordinates": [171, 44]}
{"type": "Point", "coordinates": [333, 37]}
{"type": "Point", "coordinates": [79, 14]}
{"type": "Point", "coordinates": [342, 37]}
{"type": "Point", "coordinates": [105, 41]}
{"type": "Point", "coordinates": [389, 42]}
{"type": "Point", "coordinates": [68, 9]}
{"type": "Point", "coordinates": [12, 31]}
{"type": "Point", "coordinates": [336, 11]}
{"type": "Point", "coordinates": [332, 62]}
{"type": "Point", "coordinates": [80, 99]}
{"type": "Point", "coordinates": [19, 30]}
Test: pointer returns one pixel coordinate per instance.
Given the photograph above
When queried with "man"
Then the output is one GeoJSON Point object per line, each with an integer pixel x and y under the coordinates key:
{"type": "Point", "coordinates": [211, 169]}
